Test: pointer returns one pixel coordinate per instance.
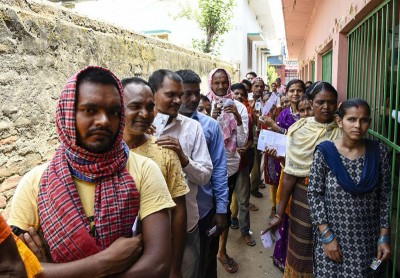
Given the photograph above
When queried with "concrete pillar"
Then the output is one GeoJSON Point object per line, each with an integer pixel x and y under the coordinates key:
{"type": "Point", "coordinates": [339, 64]}
{"type": "Point", "coordinates": [318, 67]}
{"type": "Point", "coordinates": [309, 75]}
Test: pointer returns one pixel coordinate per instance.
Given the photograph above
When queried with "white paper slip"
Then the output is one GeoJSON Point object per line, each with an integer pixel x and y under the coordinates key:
{"type": "Point", "coordinates": [277, 235]}
{"type": "Point", "coordinates": [160, 121]}
{"type": "Point", "coordinates": [375, 264]}
{"type": "Point", "coordinates": [229, 102]}
{"type": "Point", "coordinates": [271, 102]}
{"type": "Point", "coordinates": [272, 140]}
{"type": "Point", "coordinates": [250, 96]}
{"type": "Point", "coordinates": [135, 226]}
{"type": "Point", "coordinates": [267, 240]}
{"type": "Point", "coordinates": [212, 231]}
{"type": "Point", "coordinates": [258, 106]}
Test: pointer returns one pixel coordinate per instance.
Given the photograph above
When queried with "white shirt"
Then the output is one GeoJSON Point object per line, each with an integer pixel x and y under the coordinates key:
{"type": "Point", "coordinates": [233, 159]}
{"type": "Point", "coordinates": [199, 170]}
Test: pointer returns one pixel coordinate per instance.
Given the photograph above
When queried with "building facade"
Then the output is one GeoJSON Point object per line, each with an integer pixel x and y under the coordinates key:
{"type": "Point", "coordinates": [245, 44]}
{"type": "Point", "coordinates": [354, 45]}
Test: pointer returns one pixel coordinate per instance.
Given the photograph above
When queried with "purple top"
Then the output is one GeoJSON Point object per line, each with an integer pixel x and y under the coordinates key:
{"type": "Point", "coordinates": [286, 118]}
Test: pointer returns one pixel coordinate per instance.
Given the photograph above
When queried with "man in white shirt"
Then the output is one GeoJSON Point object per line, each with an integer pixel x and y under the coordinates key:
{"type": "Point", "coordinates": [280, 88]}
{"type": "Point", "coordinates": [185, 136]}
{"type": "Point", "coordinates": [234, 121]}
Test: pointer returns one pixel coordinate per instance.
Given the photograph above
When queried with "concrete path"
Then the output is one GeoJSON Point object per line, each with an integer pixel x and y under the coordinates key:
{"type": "Point", "coordinates": [254, 262]}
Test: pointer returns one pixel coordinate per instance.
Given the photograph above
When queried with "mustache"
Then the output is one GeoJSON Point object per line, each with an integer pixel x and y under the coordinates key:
{"type": "Point", "coordinates": [101, 130]}
{"type": "Point", "coordinates": [140, 119]}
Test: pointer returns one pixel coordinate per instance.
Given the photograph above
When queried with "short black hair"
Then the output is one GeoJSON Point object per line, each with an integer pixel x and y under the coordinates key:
{"type": "Point", "coordinates": [204, 98]}
{"type": "Point", "coordinates": [239, 86]}
{"type": "Point", "coordinates": [136, 80]}
{"type": "Point", "coordinates": [247, 82]}
{"type": "Point", "coordinates": [302, 98]}
{"type": "Point", "coordinates": [354, 102]}
{"type": "Point", "coordinates": [252, 73]}
{"type": "Point", "coordinates": [96, 75]}
{"type": "Point", "coordinates": [156, 79]}
{"type": "Point", "coordinates": [295, 81]}
{"type": "Point", "coordinates": [189, 76]}
{"type": "Point", "coordinates": [309, 82]}
{"type": "Point", "coordinates": [320, 86]}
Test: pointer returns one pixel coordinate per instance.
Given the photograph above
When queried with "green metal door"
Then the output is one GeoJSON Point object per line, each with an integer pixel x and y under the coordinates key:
{"type": "Point", "coordinates": [373, 72]}
{"type": "Point", "coordinates": [327, 67]}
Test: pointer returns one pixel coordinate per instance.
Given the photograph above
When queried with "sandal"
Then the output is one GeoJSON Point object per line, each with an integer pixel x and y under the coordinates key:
{"type": "Point", "coordinates": [253, 207]}
{"type": "Point", "coordinates": [249, 240]}
{"type": "Point", "coordinates": [229, 264]}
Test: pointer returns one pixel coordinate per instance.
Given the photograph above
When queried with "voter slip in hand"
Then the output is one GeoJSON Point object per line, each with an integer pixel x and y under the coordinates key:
{"type": "Point", "coordinates": [267, 240]}
{"type": "Point", "coordinates": [272, 140]}
{"type": "Point", "coordinates": [160, 121]}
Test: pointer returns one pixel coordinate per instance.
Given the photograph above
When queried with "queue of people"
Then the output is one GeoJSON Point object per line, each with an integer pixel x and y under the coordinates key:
{"type": "Point", "coordinates": [150, 176]}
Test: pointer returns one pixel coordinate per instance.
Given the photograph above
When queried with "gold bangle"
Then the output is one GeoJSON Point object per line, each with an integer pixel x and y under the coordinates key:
{"type": "Point", "coordinates": [277, 216]}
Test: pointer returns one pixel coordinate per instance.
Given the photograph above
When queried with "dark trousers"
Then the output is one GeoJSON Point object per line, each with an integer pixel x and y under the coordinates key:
{"type": "Point", "coordinates": [214, 244]}
{"type": "Point", "coordinates": [255, 175]}
{"type": "Point", "coordinates": [205, 224]}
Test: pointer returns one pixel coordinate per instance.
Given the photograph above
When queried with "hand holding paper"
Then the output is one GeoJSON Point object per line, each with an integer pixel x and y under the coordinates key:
{"type": "Point", "coordinates": [272, 140]}
{"type": "Point", "coordinates": [273, 99]}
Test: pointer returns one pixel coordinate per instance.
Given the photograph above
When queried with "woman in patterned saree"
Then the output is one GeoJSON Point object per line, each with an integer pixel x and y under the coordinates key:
{"type": "Point", "coordinates": [303, 137]}
{"type": "Point", "coordinates": [349, 196]}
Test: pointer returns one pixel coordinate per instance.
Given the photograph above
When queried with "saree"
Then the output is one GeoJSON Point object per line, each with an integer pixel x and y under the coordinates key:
{"type": "Point", "coordinates": [303, 137]}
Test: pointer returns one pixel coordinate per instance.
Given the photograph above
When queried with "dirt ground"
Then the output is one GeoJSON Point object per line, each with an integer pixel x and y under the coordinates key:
{"type": "Point", "coordinates": [254, 262]}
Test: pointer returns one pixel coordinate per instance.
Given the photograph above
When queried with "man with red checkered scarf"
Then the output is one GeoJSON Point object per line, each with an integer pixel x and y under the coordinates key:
{"type": "Point", "coordinates": [83, 204]}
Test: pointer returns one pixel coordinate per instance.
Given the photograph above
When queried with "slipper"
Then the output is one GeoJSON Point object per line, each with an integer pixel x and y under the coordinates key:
{"type": "Point", "coordinates": [229, 264]}
{"type": "Point", "coordinates": [249, 240]}
{"type": "Point", "coordinates": [253, 207]}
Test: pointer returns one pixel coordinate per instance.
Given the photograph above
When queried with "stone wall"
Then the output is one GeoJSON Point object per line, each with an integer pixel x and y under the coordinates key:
{"type": "Point", "coordinates": [41, 45]}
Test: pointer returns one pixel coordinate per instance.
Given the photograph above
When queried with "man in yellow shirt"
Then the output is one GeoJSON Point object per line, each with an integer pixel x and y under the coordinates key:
{"type": "Point", "coordinates": [139, 104]}
{"type": "Point", "coordinates": [87, 198]}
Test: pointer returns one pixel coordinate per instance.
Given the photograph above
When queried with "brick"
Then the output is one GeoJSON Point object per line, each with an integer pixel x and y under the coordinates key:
{"type": "Point", "coordinates": [9, 194]}
{"type": "Point", "coordinates": [4, 125]}
{"type": "Point", "coordinates": [9, 140]}
{"type": "Point", "coordinates": [10, 183]}
{"type": "Point", "coordinates": [3, 171]}
{"type": "Point", "coordinates": [30, 161]}
{"type": "Point", "coordinates": [3, 202]}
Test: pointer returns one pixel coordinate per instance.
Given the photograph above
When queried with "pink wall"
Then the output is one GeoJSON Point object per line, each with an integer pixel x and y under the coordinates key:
{"type": "Point", "coordinates": [329, 22]}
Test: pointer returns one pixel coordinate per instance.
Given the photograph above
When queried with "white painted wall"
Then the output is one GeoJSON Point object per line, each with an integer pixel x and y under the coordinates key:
{"type": "Point", "coordinates": [139, 16]}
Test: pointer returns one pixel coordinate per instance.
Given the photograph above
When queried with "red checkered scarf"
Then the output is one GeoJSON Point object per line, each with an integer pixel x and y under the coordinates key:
{"type": "Point", "coordinates": [228, 123]}
{"type": "Point", "coordinates": [65, 225]}
{"type": "Point", "coordinates": [255, 79]}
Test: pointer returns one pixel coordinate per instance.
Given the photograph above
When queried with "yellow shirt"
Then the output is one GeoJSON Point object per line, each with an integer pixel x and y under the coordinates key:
{"type": "Point", "coordinates": [154, 195]}
{"type": "Point", "coordinates": [169, 164]}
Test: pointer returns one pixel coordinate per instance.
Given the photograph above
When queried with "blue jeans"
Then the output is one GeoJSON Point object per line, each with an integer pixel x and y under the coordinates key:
{"type": "Point", "coordinates": [242, 190]}
{"type": "Point", "coordinates": [191, 255]}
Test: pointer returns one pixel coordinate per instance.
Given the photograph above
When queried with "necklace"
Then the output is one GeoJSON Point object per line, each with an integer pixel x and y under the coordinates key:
{"type": "Point", "coordinates": [296, 116]}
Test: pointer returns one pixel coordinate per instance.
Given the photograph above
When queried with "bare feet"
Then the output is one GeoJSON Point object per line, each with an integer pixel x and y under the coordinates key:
{"type": "Point", "coordinates": [273, 212]}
